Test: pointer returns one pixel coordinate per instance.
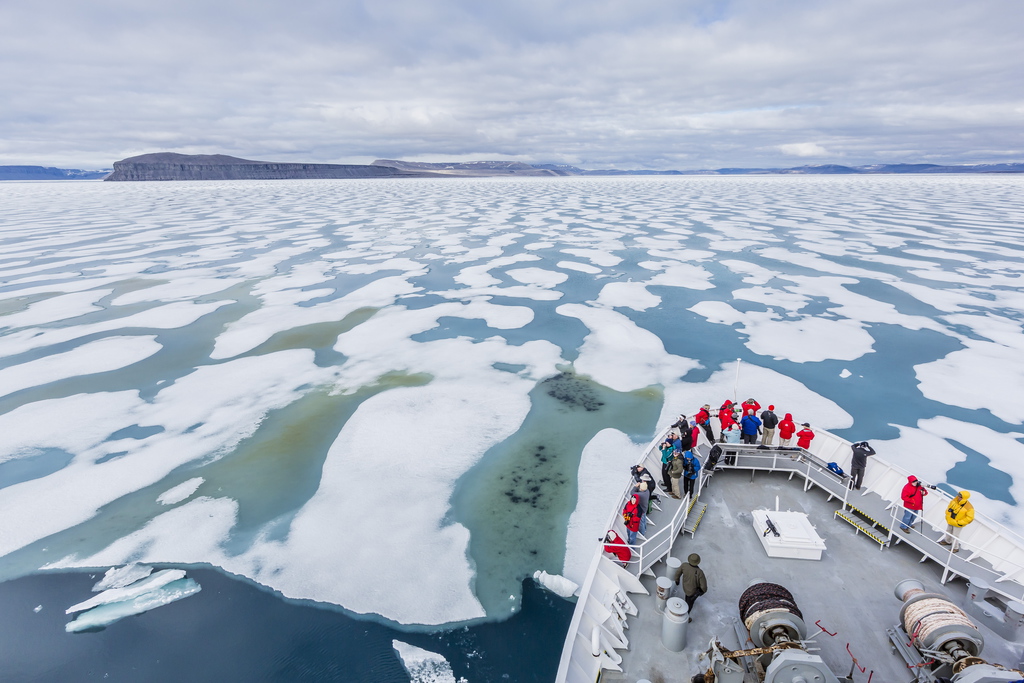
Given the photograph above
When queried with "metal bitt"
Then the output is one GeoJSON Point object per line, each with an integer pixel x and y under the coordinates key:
{"type": "Point", "coordinates": [1007, 621]}
{"type": "Point", "coordinates": [664, 591]}
{"type": "Point", "coordinates": [673, 624]}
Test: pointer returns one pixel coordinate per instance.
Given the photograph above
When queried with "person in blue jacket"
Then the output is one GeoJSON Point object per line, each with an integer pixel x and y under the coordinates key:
{"type": "Point", "coordinates": [750, 427]}
{"type": "Point", "coordinates": [691, 469]}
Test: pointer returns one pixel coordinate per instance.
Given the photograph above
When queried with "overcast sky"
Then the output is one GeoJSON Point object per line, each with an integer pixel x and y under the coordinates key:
{"type": "Point", "coordinates": [600, 84]}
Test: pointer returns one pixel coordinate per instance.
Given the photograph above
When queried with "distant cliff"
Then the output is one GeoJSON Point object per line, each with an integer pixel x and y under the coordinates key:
{"type": "Point", "coordinates": [171, 166]}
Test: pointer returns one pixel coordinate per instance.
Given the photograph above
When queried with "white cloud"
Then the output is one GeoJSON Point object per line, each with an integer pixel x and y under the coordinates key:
{"type": "Point", "coordinates": [681, 85]}
{"type": "Point", "coordinates": [803, 149]}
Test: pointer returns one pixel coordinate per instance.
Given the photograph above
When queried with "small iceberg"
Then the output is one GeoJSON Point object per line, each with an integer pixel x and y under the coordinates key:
{"type": "Point", "coordinates": [119, 577]}
{"type": "Point", "coordinates": [180, 492]}
{"type": "Point", "coordinates": [424, 666]}
{"type": "Point", "coordinates": [150, 592]}
{"type": "Point", "coordinates": [559, 585]}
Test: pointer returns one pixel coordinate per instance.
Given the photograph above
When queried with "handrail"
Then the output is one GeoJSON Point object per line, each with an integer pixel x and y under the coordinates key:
{"type": "Point", "coordinates": [660, 543]}
{"type": "Point", "coordinates": [816, 473]}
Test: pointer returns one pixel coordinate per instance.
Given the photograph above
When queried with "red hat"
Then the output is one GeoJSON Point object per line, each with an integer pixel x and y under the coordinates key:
{"type": "Point", "coordinates": [771, 407]}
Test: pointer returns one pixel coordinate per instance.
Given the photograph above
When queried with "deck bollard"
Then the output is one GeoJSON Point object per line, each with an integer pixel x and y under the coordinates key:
{"type": "Point", "coordinates": [664, 591]}
{"type": "Point", "coordinates": [672, 565]}
{"type": "Point", "coordinates": [673, 624]}
{"type": "Point", "coordinates": [1015, 618]}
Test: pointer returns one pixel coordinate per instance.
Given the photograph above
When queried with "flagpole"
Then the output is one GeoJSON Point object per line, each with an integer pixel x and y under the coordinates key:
{"type": "Point", "coordinates": [736, 385]}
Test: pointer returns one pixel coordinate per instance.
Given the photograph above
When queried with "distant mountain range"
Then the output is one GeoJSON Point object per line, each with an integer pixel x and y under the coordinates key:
{"type": "Point", "coordinates": [48, 173]}
{"type": "Point", "coordinates": [493, 168]}
{"type": "Point", "coordinates": [173, 166]}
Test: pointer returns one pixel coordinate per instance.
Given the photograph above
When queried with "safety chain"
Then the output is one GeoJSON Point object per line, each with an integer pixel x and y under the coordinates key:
{"type": "Point", "coordinates": [709, 675]}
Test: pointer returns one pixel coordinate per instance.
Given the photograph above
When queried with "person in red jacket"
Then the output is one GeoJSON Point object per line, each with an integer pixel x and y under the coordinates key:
{"type": "Point", "coordinates": [725, 417]}
{"type": "Point", "coordinates": [750, 404]}
{"type": "Point", "coordinates": [617, 547]}
{"type": "Point", "coordinates": [804, 436]}
{"type": "Point", "coordinates": [703, 420]}
{"type": "Point", "coordinates": [631, 518]}
{"type": "Point", "coordinates": [913, 501]}
{"type": "Point", "coordinates": [786, 429]}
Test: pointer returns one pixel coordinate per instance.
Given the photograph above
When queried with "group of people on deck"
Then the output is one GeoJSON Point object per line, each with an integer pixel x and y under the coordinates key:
{"type": "Point", "coordinates": [745, 422]}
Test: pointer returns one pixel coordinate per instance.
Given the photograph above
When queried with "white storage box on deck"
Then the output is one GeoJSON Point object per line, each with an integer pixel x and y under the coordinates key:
{"type": "Point", "coordinates": [797, 539]}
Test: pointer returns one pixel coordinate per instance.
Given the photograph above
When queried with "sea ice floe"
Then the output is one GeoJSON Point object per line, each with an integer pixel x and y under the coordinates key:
{"type": "Point", "coordinates": [580, 267]}
{"type": "Point", "coordinates": [753, 274]}
{"type": "Point", "coordinates": [62, 307]}
{"type": "Point", "coordinates": [451, 424]}
{"type": "Point", "coordinates": [257, 327]}
{"type": "Point", "coordinates": [602, 476]}
{"type": "Point", "coordinates": [687, 275]}
{"type": "Point", "coordinates": [180, 492]}
{"type": "Point", "coordinates": [133, 590]}
{"type": "Point", "coordinates": [632, 295]}
{"type": "Point", "coordinates": [947, 300]}
{"type": "Point", "coordinates": [803, 340]}
{"type": "Point", "coordinates": [165, 317]}
{"type": "Point", "coordinates": [848, 304]}
{"type": "Point", "coordinates": [424, 666]}
{"type": "Point", "coordinates": [407, 266]}
{"type": "Point", "coordinates": [108, 613]}
{"type": "Point", "coordinates": [537, 276]}
{"type": "Point", "coordinates": [984, 375]}
{"type": "Point", "coordinates": [204, 415]}
{"type": "Point", "coordinates": [813, 261]}
{"type": "Point", "coordinates": [559, 585]}
{"type": "Point", "coordinates": [185, 288]}
{"type": "Point", "coordinates": [119, 577]}
{"type": "Point", "coordinates": [479, 276]}
{"type": "Point", "coordinates": [514, 291]}
{"type": "Point", "coordinates": [769, 296]}
{"type": "Point", "coordinates": [621, 355]}
{"type": "Point", "coordinates": [104, 355]}
{"type": "Point", "coordinates": [598, 257]}
{"type": "Point", "coordinates": [192, 533]}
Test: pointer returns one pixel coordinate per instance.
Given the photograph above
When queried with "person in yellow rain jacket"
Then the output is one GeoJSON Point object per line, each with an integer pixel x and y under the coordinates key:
{"type": "Point", "coordinates": [959, 514]}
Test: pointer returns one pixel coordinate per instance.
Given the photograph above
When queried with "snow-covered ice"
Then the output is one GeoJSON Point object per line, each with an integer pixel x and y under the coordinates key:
{"type": "Point", "coordinates": [180, 492]}
{"type": "Point", "coordinates": [143, 342]}
{"type": "Point", "coordinates": [424, 666]}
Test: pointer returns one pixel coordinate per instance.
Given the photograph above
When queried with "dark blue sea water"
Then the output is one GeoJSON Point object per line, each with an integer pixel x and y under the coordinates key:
{"type": "Point", "coordinates": [234, 631]}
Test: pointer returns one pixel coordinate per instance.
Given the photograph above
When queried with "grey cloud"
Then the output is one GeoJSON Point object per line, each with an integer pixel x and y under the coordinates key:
{"type": "Point", "coordinates": [601, 84]}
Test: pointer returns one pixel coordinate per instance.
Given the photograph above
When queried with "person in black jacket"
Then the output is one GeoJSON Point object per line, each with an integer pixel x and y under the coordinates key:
{"type": "Point", "coordinates": [861, 451]}
{"type": "Point", "coordinates": [769, 421]}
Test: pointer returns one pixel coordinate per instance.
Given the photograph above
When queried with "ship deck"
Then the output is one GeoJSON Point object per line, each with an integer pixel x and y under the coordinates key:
{"type": "Point", "coordinates": [848, 592]}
